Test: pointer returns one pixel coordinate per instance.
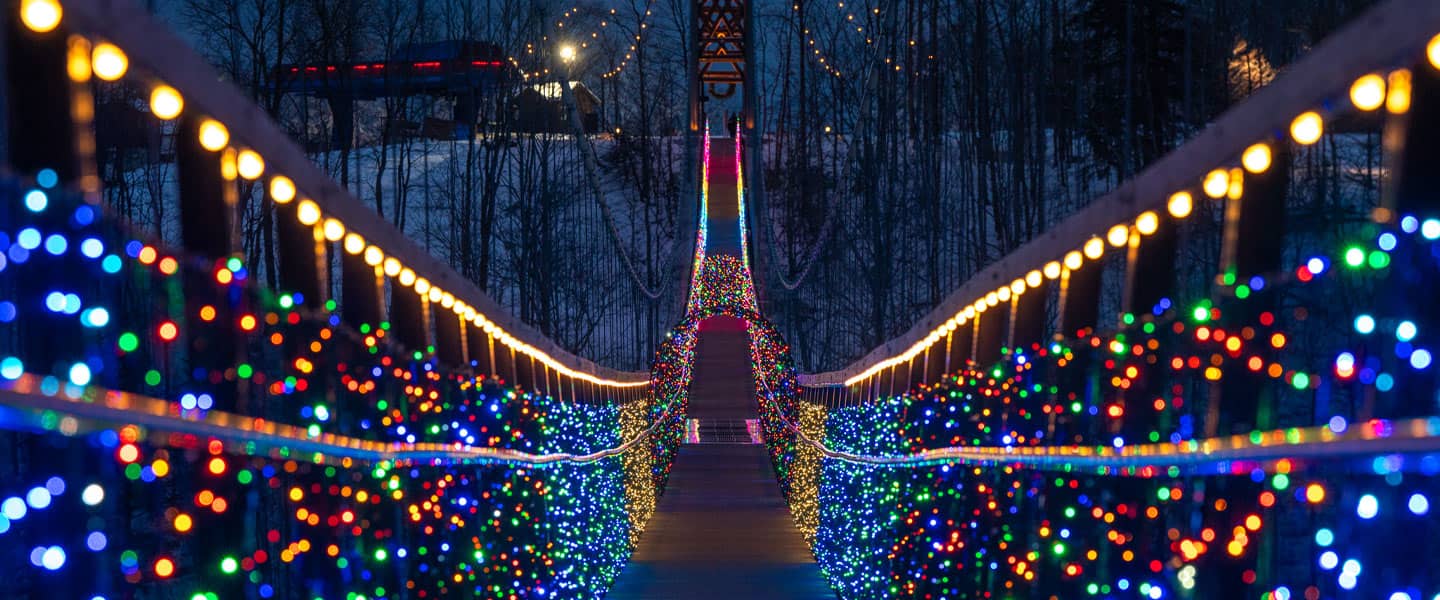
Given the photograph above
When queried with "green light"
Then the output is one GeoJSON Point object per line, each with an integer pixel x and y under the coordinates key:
{"type": "Point", "coordinates": [152, 377]}
{"type": "Point", "coordinates": [1201, 314]}
{"type": "Point", "coordinates": [234, 263]}
{"type": "Point", "coordinates": [1300, 381]}
{"type": "Point", "coordinates": [1058, 549]}
{"type": "Point", "coordinates": [244, 371]}
{"type": "Point", "coordinates": [129, 342]}
{"type": "Point", "coordinates": [380, 554]}
{"type": "Point", "coordinates": [244, 477]}
{"type": "Point", "coordinates": [1379, 259]}
{"type": "Point", "coordinates": [287, 301]}
{"type": "Point", "coordinates": [1280, 481]}
{"type": "Point", "coordinates": [1242, 291]}
{"type": "Point", "coordinates": [229, 565]}
{"type": "Point", "coordinates": [1354, 256]}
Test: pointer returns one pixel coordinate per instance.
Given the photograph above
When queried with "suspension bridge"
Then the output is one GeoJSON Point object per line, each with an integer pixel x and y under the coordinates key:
{"type": "Point", "coordinates": [1073, 421]}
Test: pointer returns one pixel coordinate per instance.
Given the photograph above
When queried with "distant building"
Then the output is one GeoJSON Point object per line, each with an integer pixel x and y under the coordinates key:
{"type": "Point", "coordinates": [540, 108]}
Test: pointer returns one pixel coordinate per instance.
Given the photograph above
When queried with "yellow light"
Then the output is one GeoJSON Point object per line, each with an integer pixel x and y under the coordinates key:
{"type": "Point", "coordinates": [1001, 295]}
{"type": "Point", "coordinates": [1216, 182]}
{"type": "Point", "coordinates": [1093, 248]}
{"type": "Point", "coordinates": [1180, 205]}
{"type": "Point", "coordinates": [447, 300]}
{"type": "Point", "coordinates": [354, 244]}
{"type": "Point", "coordinates": [1398, 101]}
{"type": "Point", "coordinates": [1147, 223]}
{"type": "Point", "coordinates": [109, 61]}
{"type": "Point", "coordinates": [1118, 235]}
{"type": "Point", "coordinates": [1073, 260]}
{"type": "Point", "coordinates": [436, 294]}
{"type": "Point", "coordinates": [77, 60]}
{"type": "Point", "coordinates": [567, 53]}
{"type": "Point", "coordinates": [282, 190]}
{"type": "Point", "coordinates": [1033, 279]}
{"type": "Point", "coordinates": [407, 277]}
{"type": "Point", "coordinates": [1018, 286]}
{"type": "Point", "coordinates": [213, 135]}
{"type": "Point", "coordinates": [991, 299]}
{"type": "Point", "coordinates": [1368, 92]}
{"type": "Point", "coordinates": [981, 306]}
{"type": "Point", "coordinates": [307, 212]}
{"type": "Point", "coordinates": [183, 522]}
{"type": "Point", "coordinates": [251, 165]}
{"type": "Point", "coordinates": [392, 267]}
{"type": "Point", "coordinates": [374, 256]}
{"type": "Point", "coordinates": [1051, 269]}
{"type": "Point", "coordinates": [1256, 159]}
{"type": "Point", "coordinates": [165, 102]}
{"type": "Point", "coordinates": [333, 229]}
{"type": "Point", "coordinates": [1432, 51]}
{"type": "Point", "coordinates": [1237, 183]}
{"type": "Point", "coordinates": [967, 314]}
{"type": "Point", "coordinates": [42, 16]}
{"type": "Point", "coordinates": [1307, 127]}
{"type": "Point", "coordinates": [422, 285]}
{"type": "Point", "coordinates": [1314, 493]}
{"type": "Point", "coordinates": [228, 167]}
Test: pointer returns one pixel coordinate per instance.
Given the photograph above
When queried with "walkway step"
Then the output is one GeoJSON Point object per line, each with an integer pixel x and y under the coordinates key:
{"type": "Point", "coordinates": [722, 532]}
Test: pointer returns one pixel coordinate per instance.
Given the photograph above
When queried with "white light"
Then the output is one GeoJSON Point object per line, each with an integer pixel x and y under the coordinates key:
{"type": "Point", "coordinates": [79, 374]}
{"type": "Point", "coordinates": [38, 498]}
{"type": "Point", "coordinates": [92, 495]}
{"type": "Point", "coordinates": [1419, 504]}
{"type": "Point", "coordinates": [1367, 508]}
{"type": "Point", "coordinates": [53, 558]}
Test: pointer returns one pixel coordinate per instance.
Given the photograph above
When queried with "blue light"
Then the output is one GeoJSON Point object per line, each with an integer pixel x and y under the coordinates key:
{"type": "Point", "coordinates": [1328, 560]}
{"type": "Point", "coordinates": [84, 215]}
{"type": "Point", "coordinates": [56, 244]}
{"type": "Point", "coordinates": [95, 317]}
{"type": "Point", "coordinates": [1405, 331]}
{"type": "Point", "coordinates": [92, 248]}
{"type": "Point", "coordinates": [13, 509]}
{"type": "Point", "coordinates": [1365, 324]}
{"type": "Point", "coordinates": [1387, 241]}
{"type": "Point", "coordinates": [1430, 228]}
{"type": "Point", "coordinates": [36, 201]}
{"type": "Point", "coordinates": [1409, 224]}
{"type": "Point", "coordinates": [29, 238]}
{"type": "Point", "coordinates": [96, 541]}
{"type": "Point", "coordinates": [1419, 504]}
{"type": "Point", "coordinates": [38, 498]}
{"type": "Point", "coordinates": [7, 311]}
{"type": "Point", "coordinates": [1420, 358]}
{"type": "Point", "coordinates": [80, 374]}
{"type": "Point", "coordinates": [55, 301]}
{"type": "Point", "coordinates": [1368, 507]}
{"type": "Point", "coordinates": [111, 264]}
{"type": "Point", "coordinates": [47, 178]}
{"type": "Point", "coordinates": [1324, 537]}
{"type": "Point", "coordinates": [11, 368]}
{"type": "Point", "coordinates": [53, 558]}
{"type": "Point", "coordinates": [55, 485]}
{"type": "Point", "coordinates": [1400, 596]}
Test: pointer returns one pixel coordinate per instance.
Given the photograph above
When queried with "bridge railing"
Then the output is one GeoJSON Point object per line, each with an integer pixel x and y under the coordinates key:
{"type": "Point", "coordinates": [314, 200]}
{"type": "Point", "coordinates": [1217, 381]}
{"type": "Point", "coordinates": [170, 426]}
{"type": "Point", "coordinates": [1378, 43]}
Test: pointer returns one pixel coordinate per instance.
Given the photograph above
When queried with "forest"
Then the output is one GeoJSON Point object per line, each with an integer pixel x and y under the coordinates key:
{"type": "Point", "coordinates": [908, 143]}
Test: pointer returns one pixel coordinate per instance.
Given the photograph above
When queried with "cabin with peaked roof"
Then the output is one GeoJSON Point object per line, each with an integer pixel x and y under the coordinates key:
{"type": "Point", "coordinates": [540, 108]}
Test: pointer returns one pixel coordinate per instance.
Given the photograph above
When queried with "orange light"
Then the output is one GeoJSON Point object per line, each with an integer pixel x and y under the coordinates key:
{"type": "Point", "coordinates": [164, 568]}
{"type": "Point", "coordinates": [148, 255]}
{"type": "Point", "coordinates": [224, 277]}
{"type": "Point", "coordinates": [217, 466]}
{"type": "Point", "coordinates": [169, 331]}
{"type": "Point", "coordinates": [183, 523]}
{"type": "Point", "coordinates": [248, 322]}
{"type": "Point", "coordinates": [219, 505]}
{"type": "Point", "coordinates": [205, 498]}
{"type": "Point", "coordinates": [129, 453]}
{"type": "Point", "coordinates": [1277, 340]}
{"type": "Point", "coordinates": [169, 265]}
{"type": "Point", "coordinates": [207, 313]}
{"type": "Point", "coordinates": [1252, 522]}
{"type": "Point", "coordinates": [1314, 493]}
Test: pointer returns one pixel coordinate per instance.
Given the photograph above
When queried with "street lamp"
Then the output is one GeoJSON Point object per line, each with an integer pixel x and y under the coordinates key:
{"type": "Point", "coordinates": [567, 53]}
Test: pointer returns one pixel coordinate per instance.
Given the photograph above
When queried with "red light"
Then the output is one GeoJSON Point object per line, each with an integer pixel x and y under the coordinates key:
{"type": "Point", "coordinates": [169, 331]}
{"type": "Point", "coordinates": [128, 453]}
{"type": "Point", "coordinates": [433, 64]}
{"type": "Point", "coordinates": [164, 568]}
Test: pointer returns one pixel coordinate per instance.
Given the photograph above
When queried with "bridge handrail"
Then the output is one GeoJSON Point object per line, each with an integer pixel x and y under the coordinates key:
{"type": "Point", "coordinates": [165, 55]}
{"type": "Point", "coordinates": [1382, 37]}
